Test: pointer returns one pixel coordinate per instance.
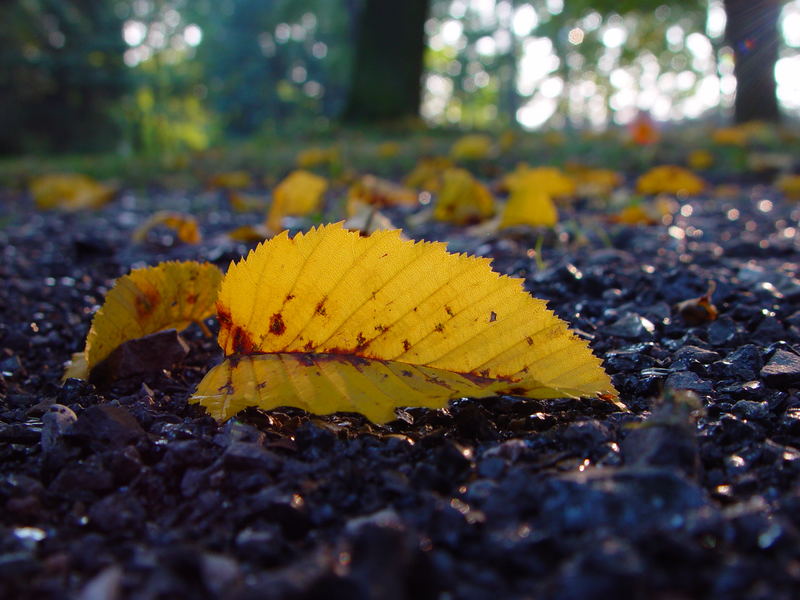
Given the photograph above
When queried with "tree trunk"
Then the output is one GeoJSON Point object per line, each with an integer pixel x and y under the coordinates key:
{"type": "Point", "coordinates": [386, 83]}
{"type": "Point", "coordinates": [752, 32]}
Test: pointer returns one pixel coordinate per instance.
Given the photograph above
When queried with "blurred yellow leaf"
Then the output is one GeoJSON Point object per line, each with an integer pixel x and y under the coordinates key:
{"type": "Point", "coordinates": [69, 191]}
{"type": "Point", "coordinates": [374, 191]}
{"type": "Point", "coordinates": [241, 202]}
{"type": "Point", "coordinates": [669, 179]}
{"type": "Point", "coordinates": [699, 160]}
{"type": "Point", "coordinates": [427, 173]}
{"type": "Point", "coordinates": [462, 200]}
{"type": "Point", "coordinates": [547, 180]}
{"type": "Point", "coordinates": [184, 226]}
{"type": "Point", "coordinates": [171, 295]}
{"type": "Point", "coordinates": [729, 136]}
{"type": "Point", "coordinates": [790, 186]}
{"type": "Point", "coordinates": [474, 146]}
{"type": "Point", "coordinates": [298, 195]}
{"type": "Point", "coordinates": [529, 207]}
{"type": "Point", "coordinates": [249, 233]}
{"type": "Point", "coordinates": [594, 182]}
{"type": "Point", "coordinates": [231, 180]}
{"type": "Point", "coordinates": [331, 321]}
{"type": "Point", "coordinates": [316, 156]}
{"type": "Point", "coordinates": [388, 149]}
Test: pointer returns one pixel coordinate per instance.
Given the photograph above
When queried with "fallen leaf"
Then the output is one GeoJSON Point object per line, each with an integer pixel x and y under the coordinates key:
{"type": "Point", "coordinates": [729, 136]}
{"type": "Point", "coordinates": [184, 226]}
{"type": "Point", "coordinates": [249, 233]}
{"type": "Point", "coordinates": [463, 199]}
{"type": "Point", "coordinates": [697, 311]}
{"type": "Point", "coordinates": [547, 180]}
{"type": "Point", "coordinates": [331, 321]}
{"type": "Point", "coordinates": [241, 202]}
{"type": "Point", "coordinates": [231, 180]}
{"type": "Point", "coordinates": [70, 192]}
{"type": "Point", "coordinates": [427, 173]}
{"type": "Point", "coordinates": [790, 186]}
{"type": "Point", "coordinates": [700, 160]}
{"type": "Point", "coordinates": [594, 182]}
{"type": "Point", "coordinates": [473, 146]}
{"type": "Point", "coordinates": [298, 195]}
{"type": "Point", "coordinates": [529, 207]}
{"type": "Point", "coordinates": [669, 179]}
{"type": "Point", "coordinates": [316, 156]}
{"type": "Point", "coordinates": [374, 191]}
{"type": "Point", "coordinates": [171, 295]}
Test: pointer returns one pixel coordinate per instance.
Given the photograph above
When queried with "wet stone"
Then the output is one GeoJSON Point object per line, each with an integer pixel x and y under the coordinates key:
{"type": "Point", "coordinates": [751, 410]}
{"type": "Point", "coordinates": [782, 370]}
{"type": "Point", "coordinates": [688, 380]}
{"type": "Point", "coordinates": [630, 326]}
{"type": "Point", "coordinates": [722, 332]}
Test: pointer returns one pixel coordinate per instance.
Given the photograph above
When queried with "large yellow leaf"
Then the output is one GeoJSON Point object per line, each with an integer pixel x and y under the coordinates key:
{"type": "Point", "coordinates": [299, 194]}
{"type": "Point", "coordinates": [171, 295]}
{"type": "Point", "coordinates": [333, 321]}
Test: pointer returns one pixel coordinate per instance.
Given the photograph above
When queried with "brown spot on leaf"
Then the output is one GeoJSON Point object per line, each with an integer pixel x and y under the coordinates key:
{"type": "Point", "coordinates": [448, 310]}
{"type": "Point", "coordinates": [276, 324]}
{"type": "Point", "coordinates": [405, 373]}
{"type": "Point", "coordinates": [361, 340]}
{"type": "Point", "coordinates": [439, 327]}
{"type": "Point", "coordinates": [516, 391]}
{"type": "Point", "coordinates": [242, 342]}
{"type": "Point", "coordinates": [191, 298]}
{"type": "Point", "coordinates": [485, 373]}
{"type": "Point", "coordinates": [492, 317]}
{"type": "Point", "coordinates": [380, 328]}
{"type": "Point", "coordinates": [320, 308]}
{"type": "Point", "coordinates": [309, 346]}
{"type": "Point", "coordinates": [146, 302]}
{"type": "Point", "coordinates": [289, 297]}
{"type": "Point", "coordinates": [261, 385]}
{"type": "Point", "coordinates": [406, 345]}
{"type": "Point", "coordinates": [529, 339]}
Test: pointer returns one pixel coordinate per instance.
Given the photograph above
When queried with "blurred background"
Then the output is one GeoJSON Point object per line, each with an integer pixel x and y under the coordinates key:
{"type": "Point", "coordinates": [158, 76]}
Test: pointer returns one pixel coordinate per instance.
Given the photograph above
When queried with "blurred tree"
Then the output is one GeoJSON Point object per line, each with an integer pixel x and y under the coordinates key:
{"type": "Point", "coordinates": [387, 70]}
{"type": "Point", "coordinates": [61, 74]}
{"type": "Point", "coordinates": [752, 32]}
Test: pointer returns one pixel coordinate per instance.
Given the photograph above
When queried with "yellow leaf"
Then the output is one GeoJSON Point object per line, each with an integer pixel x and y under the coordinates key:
{"type": "Point", "coordinates": [241, 202]}
{"type": "Point", "coordinates": [547, 180]}
{"type": "Point", "coordinates": [249, 233]}
{"type": "Point", "coordinates": [790, 186]}
{"type": "Point", "coordinates": [463, 199]}
{"type": "Point", "coordinates": [231, 180]}
{"type": "Point", "coordinates": [388, 149]}
{"type": "Point", "coordinates": [669, 179]}
{"type": "Point", "coordinates": [316, 156]}
{"type": "Point", "coordinates": [184, 226]}
{"type": "Point", "coordinates": [729, 136]}
{"type": "Point", "coordinates": [699, 160]}
{"type": "Point", "coordinates": [298, 195]}
{"type": "Point", "coordinates": [594, 182]}
{"type": "Point", "coordinates": [529, 207]}
{"type": "Point", "coordinates": [69, 192]}
{"type": "Point", "coordinates": [333, 321]}
{"type": "Point", "coordinates": [474, 146]}
{"type": "Point", "coordinates": [171, 295]}
{"type": "Point", "coordinates": [378, 192]}
{"type": "Point", "coordinates": [427, 173]}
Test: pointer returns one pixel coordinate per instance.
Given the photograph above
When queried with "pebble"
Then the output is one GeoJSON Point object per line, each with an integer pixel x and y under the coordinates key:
{"type": "Point", "coordinates": [55, 421]}
{"type": "Point", "coordinates": [782, 370]}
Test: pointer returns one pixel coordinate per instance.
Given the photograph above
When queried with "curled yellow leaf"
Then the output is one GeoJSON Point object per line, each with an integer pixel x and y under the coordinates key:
{"type": "Point", "coordinates": [171, 295]}
{"type": "Point", "coordinates": [184, 226]}
{"type": "Point", "coordinates": [529, 207]}
{"type": "Point", "coordinates": [669, 179]}
{"type": "Point", "coordinates": [322, 319]}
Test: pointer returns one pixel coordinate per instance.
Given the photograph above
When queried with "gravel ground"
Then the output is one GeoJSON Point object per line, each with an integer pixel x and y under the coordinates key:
{"type": "Point", "coordinates": [692, 493]}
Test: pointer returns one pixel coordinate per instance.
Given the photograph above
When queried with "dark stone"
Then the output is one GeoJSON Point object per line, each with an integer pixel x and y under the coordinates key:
{"type": "Point", "coordinates": [750, 410]}
{"type": "Point", "coordinates": [245, 455]}
{"type": "Point", "coordinates": [782, 370]}
{"type": "Point", "coordinates": [116, 513]}
{"type": "Point", "coordinates": [687, 380]}
{"type": "Point", "coordinates": [55, 421]}
{"type": "Point", "coordinates": [722, 332]}
{"type": "Point", "coordinates": [104, 426]}
{"type": "Point", "coordinates": [630, 327]}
